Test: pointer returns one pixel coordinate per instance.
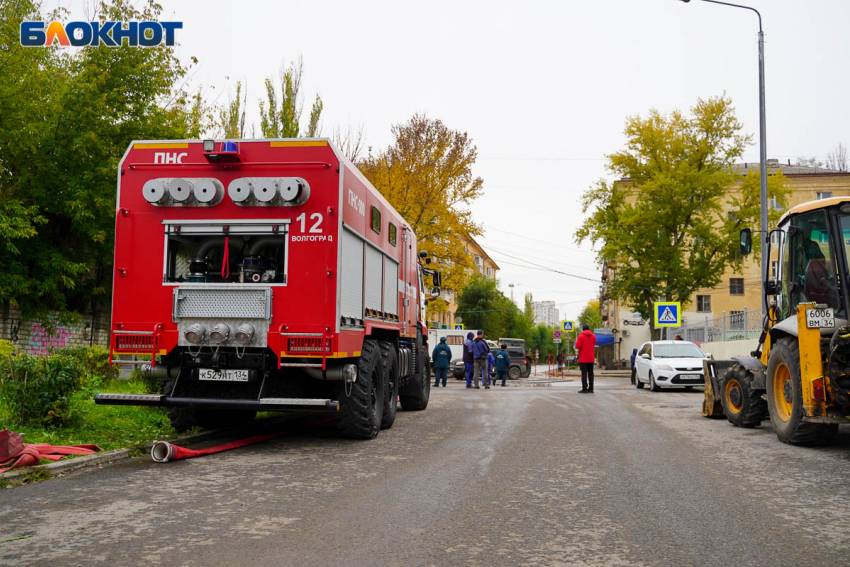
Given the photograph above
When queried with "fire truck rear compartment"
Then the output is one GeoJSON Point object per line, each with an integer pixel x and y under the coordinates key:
{"type": "Point", "coordinates": [237, 258]}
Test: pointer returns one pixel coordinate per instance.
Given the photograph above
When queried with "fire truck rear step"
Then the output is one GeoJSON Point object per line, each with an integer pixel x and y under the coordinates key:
{"type": "Point", "coordinates": [263, 404]}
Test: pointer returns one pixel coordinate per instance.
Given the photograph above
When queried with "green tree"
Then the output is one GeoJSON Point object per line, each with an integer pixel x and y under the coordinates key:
{"type": "Point", "coordinates": [484, 307]}
{"type": "Point", "coordinates": [66, 119]}
{"type": "Point", "coordinates": [664, 228]}
{"type": "Point", "coordinates": [231, 117]}
{"type": "Point", "coordinates": [426, 175]}
{"type": "Point", "coordinates": [280, 115]}
{"type": "Point", "coordinates": [590, 315]}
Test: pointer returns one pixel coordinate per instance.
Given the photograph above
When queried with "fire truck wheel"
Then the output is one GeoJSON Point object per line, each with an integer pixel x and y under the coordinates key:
{"type": "Point", "coordinates": [742, 404]}
{"type": "Point", "coordinates": [785, 398]}
{"type": "Point", "coordinates": [419, 401]}
{"type": "Point", "coordinates": [390, 360]}
{"type": "Point", "coordinates": [361, 409]}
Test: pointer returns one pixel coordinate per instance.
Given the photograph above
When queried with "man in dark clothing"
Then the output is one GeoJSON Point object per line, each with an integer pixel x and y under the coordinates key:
{"type": "Point", "coordinates": [442, 357]}
{"type": "Point", "coordinates": [480, 350]}
{"type": "Point", "coordinates": [586, 347]}
{"type": "Point", "coordinates": [503, 364]}
{"type": "Point", "coordinates": [560, 363]}
{"type": "Point", "coordinates": [632, 358]}
{"type": "Point", "coordinates": [468, 359]}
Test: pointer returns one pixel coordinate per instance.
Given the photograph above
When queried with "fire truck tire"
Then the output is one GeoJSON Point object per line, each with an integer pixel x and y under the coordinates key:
{"type": "Point", "coordinates": [361, 410]}
{"type": "Point", "coordinates": [742, 404]}
{"type": "Point", "coordinates": [784, 382]}
{"type": "Point", "coordinates": [419, 401]}
{"type": "Point", "coordinates": [390, 359]}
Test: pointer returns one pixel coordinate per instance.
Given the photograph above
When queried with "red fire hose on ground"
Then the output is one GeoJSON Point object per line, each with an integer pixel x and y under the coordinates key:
{"type": "Point", "coordinates": [164, 452]}
{"type": "Point", "coordinates": [15, 453]}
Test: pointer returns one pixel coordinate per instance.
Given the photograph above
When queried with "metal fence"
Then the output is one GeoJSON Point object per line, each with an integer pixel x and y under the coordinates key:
{"type": "Point", "coordinates": [732, 326]}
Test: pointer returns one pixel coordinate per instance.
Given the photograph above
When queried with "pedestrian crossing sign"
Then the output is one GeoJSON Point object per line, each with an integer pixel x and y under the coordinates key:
{"type": "Point", "coordinates": [568, 326]}
{"type": "Point", "coordinates": [668, 314]}
{"type": "Point", "coordinates": [458, 327]}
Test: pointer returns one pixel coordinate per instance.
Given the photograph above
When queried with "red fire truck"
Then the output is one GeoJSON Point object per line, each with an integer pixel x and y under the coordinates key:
{"type": "Point", "coordinates": [267, 275]}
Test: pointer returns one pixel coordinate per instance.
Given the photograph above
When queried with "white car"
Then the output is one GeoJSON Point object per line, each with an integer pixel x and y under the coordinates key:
{"type": "Point", "coordinates": [669, 364]}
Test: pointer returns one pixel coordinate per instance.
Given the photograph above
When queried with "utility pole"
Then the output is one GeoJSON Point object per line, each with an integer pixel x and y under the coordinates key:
{"type": "Point", "coordinates": [762, 149]}
{"type": "Point", "coordinates": [512, 292]}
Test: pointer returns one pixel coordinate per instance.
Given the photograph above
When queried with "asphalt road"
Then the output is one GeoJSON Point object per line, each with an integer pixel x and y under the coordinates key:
{"type": "Point", "coordinates": [510, 476]}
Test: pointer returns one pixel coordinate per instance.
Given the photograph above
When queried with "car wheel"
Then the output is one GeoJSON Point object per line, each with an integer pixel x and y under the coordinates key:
{"type": "Point", "coordinates": [514, 372]}
{"type": "Point", "coordinates": [653, 387]}
{"type": "Point", "coordinates": [638, 383]}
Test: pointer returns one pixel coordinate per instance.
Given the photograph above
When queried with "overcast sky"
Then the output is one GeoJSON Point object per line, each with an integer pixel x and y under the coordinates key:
{"type": "Point", "coordinates": [543, 89]}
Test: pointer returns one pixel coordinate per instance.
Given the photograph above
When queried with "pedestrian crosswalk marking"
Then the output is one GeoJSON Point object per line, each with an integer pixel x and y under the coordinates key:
{"type": "Point", "coordinates": [667, 316]}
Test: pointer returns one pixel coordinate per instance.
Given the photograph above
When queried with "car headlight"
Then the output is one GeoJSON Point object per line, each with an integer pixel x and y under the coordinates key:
{"type": "Point", "coordinates": [666, 367]}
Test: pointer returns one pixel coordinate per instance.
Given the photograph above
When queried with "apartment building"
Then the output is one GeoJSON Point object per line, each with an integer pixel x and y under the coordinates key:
{"type": "Point", "coordinates": [545, 313]}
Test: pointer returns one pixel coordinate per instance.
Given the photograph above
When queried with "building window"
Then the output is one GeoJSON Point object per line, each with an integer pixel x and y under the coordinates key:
{"type": "Point", "coordinates": [824, 194]}
{"type": "Point", "coordinates": [393, 234]}
{"type": "Point", "coordinates": [704, 303]}
{"type": "Point", "coordinates": [774, 239]}
{"type": "Point", "coordinates": [376, 220]}
{"type": "Point", "coordinates": [773, 203]}
{"type": "Point", "coordinates": [489, 271]}
{"type": "Point", "coordinates": [736, 286]}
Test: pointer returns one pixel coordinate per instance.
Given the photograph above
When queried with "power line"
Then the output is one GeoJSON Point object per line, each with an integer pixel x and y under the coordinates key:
{"type": "Point", "coordinates": [545, 269]}
{"type": "Point", "coordinates": [538, 240]}
{"type": "Point", "coordinates": [542, 260]}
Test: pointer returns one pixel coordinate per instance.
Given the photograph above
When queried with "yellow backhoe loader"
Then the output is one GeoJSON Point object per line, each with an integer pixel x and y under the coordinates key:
{"type": "Point", "coordinates": [799, 375]}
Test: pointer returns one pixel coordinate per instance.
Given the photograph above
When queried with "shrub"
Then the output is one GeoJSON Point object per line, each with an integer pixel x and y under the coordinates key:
{"type": "Point", "coordinates": [6, 348]}
{"type": "Point", "coordinates": [93, 362]}
{"type": "Point", "coordinates": [38, 389]}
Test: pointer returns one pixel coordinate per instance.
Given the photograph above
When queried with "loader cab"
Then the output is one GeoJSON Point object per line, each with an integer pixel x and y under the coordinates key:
{"type": "Point", "coordinates": [808, 257]}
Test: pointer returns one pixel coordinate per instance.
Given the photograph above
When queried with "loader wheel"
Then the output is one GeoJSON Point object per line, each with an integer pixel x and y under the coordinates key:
{"type": "Point", "coordinates": [390, 359]}
{"type": "Point", "coordinates": [361, 403]}
{"type": "Point", "coordinates": [743, 405]}
{"type": "Point", "coordinates": [785, 398]}
{"type": "Point", "coordinates": [653, 387]}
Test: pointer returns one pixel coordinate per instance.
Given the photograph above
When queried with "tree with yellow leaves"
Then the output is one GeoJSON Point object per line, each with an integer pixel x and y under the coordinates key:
{"type": "Point", "coordinates": [426, 175]}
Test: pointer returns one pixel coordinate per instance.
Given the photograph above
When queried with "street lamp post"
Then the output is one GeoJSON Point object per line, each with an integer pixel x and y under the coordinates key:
{"type": "Point", "coordinates": [762, 147]}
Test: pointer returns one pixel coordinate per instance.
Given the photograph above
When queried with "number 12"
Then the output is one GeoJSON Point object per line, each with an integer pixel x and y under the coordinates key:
{"type": "Point", "coordinates": [315, 229]}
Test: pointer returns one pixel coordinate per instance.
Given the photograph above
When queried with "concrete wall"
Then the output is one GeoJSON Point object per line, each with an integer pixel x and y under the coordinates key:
{"type": "Point", "coordinates": [31, 336]}
{"type": "Point", "coordinates": [727, 349]}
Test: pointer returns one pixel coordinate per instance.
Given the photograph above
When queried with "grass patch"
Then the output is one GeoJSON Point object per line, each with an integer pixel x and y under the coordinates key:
{"type": "Point", "coordinates": [110, 427]}
{"type": "Point", "coordinates": [35, 474]}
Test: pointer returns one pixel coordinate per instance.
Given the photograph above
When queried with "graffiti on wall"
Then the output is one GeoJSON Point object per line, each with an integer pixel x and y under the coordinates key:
{"type": "Point", "coordinates": [41, 341]}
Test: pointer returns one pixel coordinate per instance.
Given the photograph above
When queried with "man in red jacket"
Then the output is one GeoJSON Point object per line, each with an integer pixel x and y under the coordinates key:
{"type": "Point", "coordinates": [586, 344]}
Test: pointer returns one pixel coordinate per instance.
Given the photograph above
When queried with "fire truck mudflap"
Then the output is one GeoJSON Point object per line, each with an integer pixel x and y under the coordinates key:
{"type": "Point", "coordinates": [266, 275]}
